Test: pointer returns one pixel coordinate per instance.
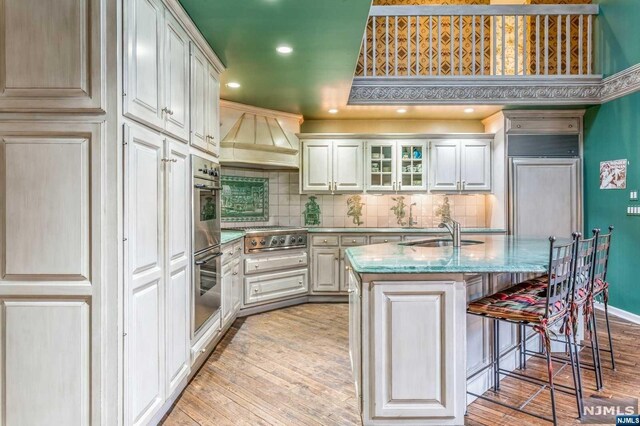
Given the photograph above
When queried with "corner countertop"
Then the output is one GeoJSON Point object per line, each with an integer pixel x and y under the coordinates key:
{"type": "Point", "coordinates": [231, 236]}
{"type": "Point", "coordinates": [498, 253]}
{"type": "Point", "coordinates": [403, 230]}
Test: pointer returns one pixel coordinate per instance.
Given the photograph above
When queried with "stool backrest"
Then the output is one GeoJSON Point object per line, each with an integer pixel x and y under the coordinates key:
{"type": "Point", "coordinates": [561, 261]}
{"type": "Point", "coordinates": [601, 261]}
{"type": "Point", "coordinates": [584, 264]}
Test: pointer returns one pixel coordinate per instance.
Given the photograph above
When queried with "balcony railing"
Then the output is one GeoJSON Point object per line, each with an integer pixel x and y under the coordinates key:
{"type": "Point", "coordinates": [438, 42]}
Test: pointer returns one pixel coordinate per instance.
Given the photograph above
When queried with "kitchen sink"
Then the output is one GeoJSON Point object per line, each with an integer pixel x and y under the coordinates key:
{"type": "Point", "coordinates": [440, 243]}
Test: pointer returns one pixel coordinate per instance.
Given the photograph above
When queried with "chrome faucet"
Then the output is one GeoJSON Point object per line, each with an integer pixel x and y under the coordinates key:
{"type": "Point", "coordinates": [412, 220]}
{"type": "Point", "coordinates": [454, 229]}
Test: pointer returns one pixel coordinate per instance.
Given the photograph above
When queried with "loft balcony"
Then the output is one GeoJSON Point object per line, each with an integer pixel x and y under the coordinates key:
{"type": "Point", "coordinates": [500, 54]}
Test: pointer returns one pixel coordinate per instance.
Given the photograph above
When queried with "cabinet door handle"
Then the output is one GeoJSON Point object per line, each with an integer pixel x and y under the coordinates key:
{"type": "Point", "coordinates": [324, 241]}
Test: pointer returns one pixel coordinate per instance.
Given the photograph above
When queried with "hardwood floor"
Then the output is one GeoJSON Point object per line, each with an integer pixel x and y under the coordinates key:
{"type": "Point", "coordinates": [291, 367]}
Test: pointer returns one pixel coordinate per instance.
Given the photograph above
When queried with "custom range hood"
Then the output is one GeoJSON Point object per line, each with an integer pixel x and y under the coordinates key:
{"type": "Point", "coordinates": [258, 138]}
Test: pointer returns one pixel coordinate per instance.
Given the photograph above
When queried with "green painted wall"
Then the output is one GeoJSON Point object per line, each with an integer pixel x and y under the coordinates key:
{"type": "Point", "coordinates": [612, 132]}
{"type": "Point", "coordinates": [616, 35]}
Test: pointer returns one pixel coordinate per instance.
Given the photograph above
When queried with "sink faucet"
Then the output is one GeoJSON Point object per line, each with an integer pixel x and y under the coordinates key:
{"type": "Point", "coordinates": [412, 220]}
{"type": "Point", "coordinates": [454, 229]}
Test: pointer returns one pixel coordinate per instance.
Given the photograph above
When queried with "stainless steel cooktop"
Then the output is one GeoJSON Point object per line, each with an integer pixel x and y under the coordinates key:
{"type": "Point", "coordinates": [273, 238]}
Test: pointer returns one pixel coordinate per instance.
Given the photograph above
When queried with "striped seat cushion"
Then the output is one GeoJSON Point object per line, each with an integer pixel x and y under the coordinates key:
{"type": "Point", "coordinates": [524, 302]}
{"type": "Point", "coordinates": [599, 286]}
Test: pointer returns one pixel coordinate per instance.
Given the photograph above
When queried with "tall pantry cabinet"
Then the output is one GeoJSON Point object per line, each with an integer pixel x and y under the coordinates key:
{"type": "Point", "coordinates": [170, 105]}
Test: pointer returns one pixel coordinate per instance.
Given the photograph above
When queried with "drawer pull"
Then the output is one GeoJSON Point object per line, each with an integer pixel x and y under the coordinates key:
{"type": "Point", "coordinates": [203, 350]}
{"type": "Point", "coordinates": [235, 273]}
{"type": "Point", "coordinates": [300, 282]}
{"type": "Point", "coordinates": [353, 241]}
{"type": "Point", "coordinates": [255, 290]}
{"type": "Point", "coordinates": [324, 241]}
{"type": "Point", "coordinates": [299, 260]}
{"type": "Point", "coordinates": [519, 126]}
{"type": "Point", "coordinates": [386, 241]}
{"type": "Point", "coordinates": [257, 266]}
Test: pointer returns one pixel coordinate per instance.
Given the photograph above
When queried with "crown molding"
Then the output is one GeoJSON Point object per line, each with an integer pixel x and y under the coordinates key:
{"type": "Point", "coordinates": [559, 90]}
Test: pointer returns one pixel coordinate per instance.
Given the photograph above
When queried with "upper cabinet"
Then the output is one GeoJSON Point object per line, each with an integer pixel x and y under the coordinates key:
{"type": "Point", "coordinates": [205, 101]}
{"type": "Point", "coordinates": [460, 165]}
{"type": "Point", "coordinates": [57, 65]}
{"type": "Point", "coordinates": [396, 165]}
{"type": "Point", "coordinates": [168, 82]}
{"type": "Point", "coordinates": [332, 166]}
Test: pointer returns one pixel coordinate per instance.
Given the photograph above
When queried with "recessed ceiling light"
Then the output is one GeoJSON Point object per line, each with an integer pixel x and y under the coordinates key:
{"type": "Point", "coordinates": [233, 85]}
{"type": "Point", "coordinates": [333, 111]}
{"type": "Point", "coordinates": [468, 110]}
{"type": "Point", "coordinates": [284, 49]}
{"type": "Point", "coordinates": [402, 110]}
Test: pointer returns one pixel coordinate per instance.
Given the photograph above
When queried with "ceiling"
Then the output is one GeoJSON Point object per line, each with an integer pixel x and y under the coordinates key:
{"type": "Point", "coordinates": [325, 36]}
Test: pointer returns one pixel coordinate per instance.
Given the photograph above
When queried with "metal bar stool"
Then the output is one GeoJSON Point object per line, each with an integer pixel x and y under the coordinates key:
{"type": "Point", "coordinates": [544, 304]}
{"type": "Point", "coordinates": [600, 289]}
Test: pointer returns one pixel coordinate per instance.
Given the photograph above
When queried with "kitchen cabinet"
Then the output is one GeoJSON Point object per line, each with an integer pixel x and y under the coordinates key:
{"type": "Point", "coordinates": [158, 282]}
{"type": "Point", "coordinates": [205, 100]}
{"type": "Point", "coordinates": [274, 286]}
{"type": "Point", "coordinates": [332, 166]}
{"type": "Point", "coordinates": [236, 286]}
{"type": "Point", "coordinates": [355, 333]}
{"type": "Point", "coordinates": [460, 165]}
{"type": "Point", "coordinates": [227, 293]}
{"type": "Point", "coordinates": [156, 81]}
{"type": "Point", "coordinates": [396, 165]}
{"type": "Point", "coordinates": [325, 270]}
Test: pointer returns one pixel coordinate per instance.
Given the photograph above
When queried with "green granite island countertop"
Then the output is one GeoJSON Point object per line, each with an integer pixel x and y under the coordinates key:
{"type": "Point", "coordinates": [497, 254]}
{"type": "Point", "coordinates": [313, 230]}
{"type": "Point", "coordinates": [228, 236]}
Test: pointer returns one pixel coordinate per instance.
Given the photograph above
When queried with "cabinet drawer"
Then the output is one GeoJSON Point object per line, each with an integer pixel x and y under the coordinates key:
{"type": "Point", "coordinates": [353, 241]}
{"type": "Point", "coordinates": [231, 251]}
{"type": "Point", "coordinates": [571, 124]}
{"type": "Point", "coordinates": [324, 240]}
{"type": "Point", "coordinates": [271, 263]}
{"type": "Point", "coordinates": [377, 239]}
{"type": "Point", "coordinates": [279, 285]}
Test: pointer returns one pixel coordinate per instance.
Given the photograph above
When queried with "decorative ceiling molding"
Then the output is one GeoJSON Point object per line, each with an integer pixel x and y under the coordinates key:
{"type": "Point", "coordinates": [560, 90]}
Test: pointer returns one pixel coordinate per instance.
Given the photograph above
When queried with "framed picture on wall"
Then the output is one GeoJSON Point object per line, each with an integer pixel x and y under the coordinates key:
{"type": "Point", "coordinates": [613, 174]}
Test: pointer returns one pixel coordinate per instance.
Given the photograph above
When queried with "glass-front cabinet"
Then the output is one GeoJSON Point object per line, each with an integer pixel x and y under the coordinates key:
{"type": "Point", "coordinates": [396, 165]}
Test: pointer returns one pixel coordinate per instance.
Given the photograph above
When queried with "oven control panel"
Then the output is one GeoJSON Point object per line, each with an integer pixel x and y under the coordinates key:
{"type": "Point", "coordinates": [259, 243]}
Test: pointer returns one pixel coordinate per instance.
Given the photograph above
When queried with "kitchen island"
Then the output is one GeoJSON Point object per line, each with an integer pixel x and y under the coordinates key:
{"type": "Point", "coordinates": [412, 345]}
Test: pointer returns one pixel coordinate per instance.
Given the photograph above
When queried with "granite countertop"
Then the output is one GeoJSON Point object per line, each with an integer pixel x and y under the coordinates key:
{"type": "Point", "coordinates": [230, 236]}
{"type": "Point", "coordinates": [499, 253]}
{"type": "Point", "coordinates": [404, 230]}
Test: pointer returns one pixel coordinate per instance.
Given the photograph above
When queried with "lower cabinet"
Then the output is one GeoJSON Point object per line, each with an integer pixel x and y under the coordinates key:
{"type": "Point", "coordinates": [277, 285]}
{"type": "Point", "coordinates": [326, 262]}
{"type": "Point", "coordinates": [236, 286]}
{"type": "Point", "coordinates": [227, 293]}
{"type": "Point", "coordinates": [355, 332]}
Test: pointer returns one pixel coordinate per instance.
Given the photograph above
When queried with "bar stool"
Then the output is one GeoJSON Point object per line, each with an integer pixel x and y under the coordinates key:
{"type": "Point", "coordinates": [600, 289]}
{"type": "Point", "coordinates": [544, 304]}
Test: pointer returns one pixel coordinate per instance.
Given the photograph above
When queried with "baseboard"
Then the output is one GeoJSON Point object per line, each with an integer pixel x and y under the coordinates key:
{"type": "Point", "coordinates": [634, 318]}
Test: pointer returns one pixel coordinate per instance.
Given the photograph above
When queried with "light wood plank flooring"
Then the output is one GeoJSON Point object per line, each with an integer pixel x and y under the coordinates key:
{"type": "Point", "coordinates": [291, 367]}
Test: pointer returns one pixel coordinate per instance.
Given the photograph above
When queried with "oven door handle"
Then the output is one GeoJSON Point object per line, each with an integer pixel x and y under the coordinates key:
{"type": "Point", "coordinates": [208, 188]}
{"type": "Point", "coordinates": [208, 259]}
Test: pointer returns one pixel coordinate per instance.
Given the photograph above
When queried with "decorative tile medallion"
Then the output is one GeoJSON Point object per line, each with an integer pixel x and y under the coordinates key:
{"type": "Point", "coordinates": [444, 210]}
{"type": "Point", "coordinates": [245, 199]}
{"type": "Point", "coordinates": [354, 209]}
{"type": "Point", "coordinates": [311, 212]}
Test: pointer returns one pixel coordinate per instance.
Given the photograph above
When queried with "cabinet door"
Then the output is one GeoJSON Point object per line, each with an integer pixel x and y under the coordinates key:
{"type": "Point", "coordinates": [237, 286]}
{"type": "Point", "coordinates": [212, 109]}
{"type": "Point", "coordinates": [445, 165]}
{"type": "Point", "coordinates": [178, 301]}
{"type": "Point", "coordinates": [176, 79]}
{"type": "Point", "coordinates": [325, 266]}
{"type": "Point", "coordinates": [198, 128]}
{"type": "Point", "coordinates": [317, 166]}
{"type": "Point", "coordinates": [227, 293]}
{"type": "Point", "coordinates": [144, 365]}
{"type": "Point", "coordinates": [381, 166]}
{"type": "Point", "coordinates": [143, 74]}
{"type": "Point", "coordinates": [348, 159]}
{"type": "Point", "coordinates": [412, 165]}
{"type": "Point", "coordinates": [475, 165]}
{"type": "Point", "coordinates": [355, 332]}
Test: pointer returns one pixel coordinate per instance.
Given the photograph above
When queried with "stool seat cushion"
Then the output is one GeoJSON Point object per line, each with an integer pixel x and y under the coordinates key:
{"type": "Point", "coordinates": [523, 302]}
{"type": "Point", "coordinates": [599, 286]}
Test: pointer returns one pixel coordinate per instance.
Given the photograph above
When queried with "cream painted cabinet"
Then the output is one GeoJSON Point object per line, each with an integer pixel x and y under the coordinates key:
{"type": "Point", "coordinates": [355, 332]}
{"type": "Point", "coordinates": [236, 286]}
{"type": "Point", "coordinates": [381, 166]}
{"type": "Point", "coordinates": [412, 165]}
{"type": "Point", "coordinates": [158, 282]}
{"type": "Point", "coordinates": [205, 100]}
{"type": "Point", "coordinates": [396, 165]}
{"type": "Point", "coordinates": [348, 174]}
{"type": "Point", "coordinates": [53, 55]}
{"type": "Point", "coordinates": [325, 269]}
{"type": "Point", "coordinates": [143, 58]}
{"type": "Point", "coordinates": [460, 165]}
{"type": "Point", "coordinates": [227, 293]}
{"type": "Point", "coordinates": [335, 166]}
{"type": "Point", "coordinates": [176, 72]}
{"type": "Point", "coordinates": [178, 277]}
{"type": "Point", "coordinates": [156, 69]}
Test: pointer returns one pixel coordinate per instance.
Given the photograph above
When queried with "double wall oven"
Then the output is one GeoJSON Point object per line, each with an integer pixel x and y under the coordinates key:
{"type": "Point", "coordinates": [207, 280]}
